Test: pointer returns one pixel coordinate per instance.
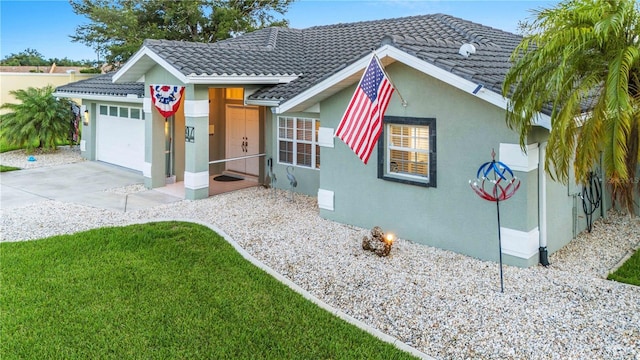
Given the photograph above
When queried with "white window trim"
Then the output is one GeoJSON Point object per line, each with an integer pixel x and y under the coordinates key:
{"type": "Point", "coordinates": [314, 142]}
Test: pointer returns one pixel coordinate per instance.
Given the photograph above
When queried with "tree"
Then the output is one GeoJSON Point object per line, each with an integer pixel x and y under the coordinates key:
{"type": "Point", "coordinates": [31, 57]}
{"type": "Point", "coordinates": [38, 121]}
{"type": "Point", "coordinates": [581, 62]}
{"type": "Point", "coordinates": [28, 57]}
{"type": "Point", "coordinates": [118, 28]}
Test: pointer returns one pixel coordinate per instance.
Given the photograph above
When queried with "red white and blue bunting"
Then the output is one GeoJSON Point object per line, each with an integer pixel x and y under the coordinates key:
{"type": "Point", "coordinates": [166, 98]}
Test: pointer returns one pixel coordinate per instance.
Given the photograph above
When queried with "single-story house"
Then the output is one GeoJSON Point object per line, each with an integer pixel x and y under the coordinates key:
{"type": "Point", "coordinates": [267, 103]}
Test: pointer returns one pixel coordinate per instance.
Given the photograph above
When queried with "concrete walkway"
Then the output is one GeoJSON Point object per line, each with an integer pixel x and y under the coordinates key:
{"type": "Point", "coordinates": [81, 183]}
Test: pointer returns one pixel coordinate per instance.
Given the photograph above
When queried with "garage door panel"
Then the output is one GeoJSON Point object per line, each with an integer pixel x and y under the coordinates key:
{"type": "Point", "coordinates": [120, 141]}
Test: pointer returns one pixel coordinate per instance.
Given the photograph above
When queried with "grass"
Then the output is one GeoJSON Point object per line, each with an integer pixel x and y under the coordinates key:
{"type": "Point", "coordinates": [4, 168]}
{"type": "Point", "coordinates": [629, 272]}
{"type": "Point", "coordinates": [167, 290]}
{"type": "Point", "coordinates": [4, 146]}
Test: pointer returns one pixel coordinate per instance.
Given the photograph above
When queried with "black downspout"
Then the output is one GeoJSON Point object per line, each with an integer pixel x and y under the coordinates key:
{"type": "Point", "coordinates": [544, 259]}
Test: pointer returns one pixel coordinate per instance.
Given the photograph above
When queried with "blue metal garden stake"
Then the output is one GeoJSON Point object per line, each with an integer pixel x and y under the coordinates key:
{"type": "Point", "coordinates": [504, 184]}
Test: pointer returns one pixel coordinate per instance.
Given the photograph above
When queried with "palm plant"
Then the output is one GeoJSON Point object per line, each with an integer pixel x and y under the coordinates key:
{"type": "Point", "coordinates": [38, 121]}
{"type": "Point", "coordinates": [581, 64]}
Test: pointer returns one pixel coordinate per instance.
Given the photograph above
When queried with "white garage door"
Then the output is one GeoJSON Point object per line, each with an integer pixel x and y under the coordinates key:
{"type": "Point", "coordinates": [120, 136]}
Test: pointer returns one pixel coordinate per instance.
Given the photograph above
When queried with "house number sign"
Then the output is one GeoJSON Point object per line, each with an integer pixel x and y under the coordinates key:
{"type": "Point", "coordinates": [190, 134]}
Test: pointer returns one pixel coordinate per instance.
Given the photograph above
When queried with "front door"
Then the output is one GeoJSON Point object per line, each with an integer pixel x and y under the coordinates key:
{"type": "Point", "coordinates": [242, 138]}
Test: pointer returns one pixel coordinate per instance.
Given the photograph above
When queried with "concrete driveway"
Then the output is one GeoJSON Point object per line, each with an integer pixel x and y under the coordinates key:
{"type": "Point", "coordinates": [82, 183]}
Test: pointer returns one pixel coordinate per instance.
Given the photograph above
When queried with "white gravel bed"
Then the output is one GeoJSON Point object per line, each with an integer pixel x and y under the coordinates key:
{"type": "Point", "coordinates": [20, 159]}
{"type": "Point", "coordinates": [444, 304]}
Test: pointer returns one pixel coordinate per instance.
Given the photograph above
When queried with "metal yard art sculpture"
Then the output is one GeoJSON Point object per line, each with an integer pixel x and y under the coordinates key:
{"type": "Point", "coordinates": [292, 180]}
{"type": "Point", "coordinates": [495, 182]}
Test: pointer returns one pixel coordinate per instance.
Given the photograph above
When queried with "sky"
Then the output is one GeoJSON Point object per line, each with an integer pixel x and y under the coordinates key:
{"type": "Point", "coordinates": [46, 26]}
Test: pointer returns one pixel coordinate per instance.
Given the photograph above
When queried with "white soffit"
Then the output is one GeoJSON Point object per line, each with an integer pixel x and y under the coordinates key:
{"type": "Point", "coordinates": [543, 120]}
{"type": "Point", "coordinates": [239, 79]}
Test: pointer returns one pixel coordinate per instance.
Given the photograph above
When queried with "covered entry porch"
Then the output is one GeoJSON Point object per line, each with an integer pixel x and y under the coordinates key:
{"type": "Point", "coordinates": [221, 148]}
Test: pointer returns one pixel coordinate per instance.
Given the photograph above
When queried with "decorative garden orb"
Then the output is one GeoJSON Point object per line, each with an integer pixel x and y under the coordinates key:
{"type": "Point", "coordinates": [495, 182]}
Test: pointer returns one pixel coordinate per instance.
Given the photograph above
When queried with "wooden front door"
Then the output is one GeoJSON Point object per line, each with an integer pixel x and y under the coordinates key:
{"type": "Point", "coordinates": [243, 136]}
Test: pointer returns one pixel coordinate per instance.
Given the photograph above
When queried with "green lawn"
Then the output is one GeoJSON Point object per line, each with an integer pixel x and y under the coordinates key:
{"type": "Point", "coordinates": [8, 168]}
{"type": "Point", "coordinates": [4, 146]}
{"type": "Point", "coordinates": [629, 272]}
{"type": "Point", "coordinates": [168, 290]}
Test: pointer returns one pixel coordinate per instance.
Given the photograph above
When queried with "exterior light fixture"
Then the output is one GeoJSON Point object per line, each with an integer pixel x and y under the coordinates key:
{"type": "Point", "coordinates": [389, 238]}
{"type": "Point", "coordinates": [380, 243]}
{"type": "Point", "coordinates": [85, 114]}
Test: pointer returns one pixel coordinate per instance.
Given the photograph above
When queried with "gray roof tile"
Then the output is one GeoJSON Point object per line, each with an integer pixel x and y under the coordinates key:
{"type": "Point", "coordinates": [432, 38]}
{"type": "Point", "coordinates": [102, 85]}
{"type": "Point", "coordinates": [315, 53]}
{"type": "Point", "coordinates": [271, 51]}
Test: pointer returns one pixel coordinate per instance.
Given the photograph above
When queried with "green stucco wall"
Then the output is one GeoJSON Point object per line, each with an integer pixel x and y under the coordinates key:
{"type": "Point", "coordinates": [451, 215]}
{"type": "Point", "coordinates": [565, 215]}
{"type": "Point", "coordinates": [89, 131]}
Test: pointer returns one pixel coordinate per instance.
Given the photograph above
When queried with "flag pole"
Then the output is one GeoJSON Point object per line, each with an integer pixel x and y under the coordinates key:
{"type": "Point", "coordinates": [404, 103]}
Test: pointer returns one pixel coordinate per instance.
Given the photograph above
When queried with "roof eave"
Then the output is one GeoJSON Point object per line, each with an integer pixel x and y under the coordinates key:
{"type": "Point", "coordinates": [240, 79]}
{"type": "Point", "coordinates": [131, 98]}
{"type": "Point", "coordinates": [350, 75]}
{"type": "Point", "coordinates": [270, 103]}
{"type": "Point", "coordinates": [333, 84]}
{"type": "Point", "coordinates": [543, 120]}
{"type": "Point", "coordinates": [141, 62]}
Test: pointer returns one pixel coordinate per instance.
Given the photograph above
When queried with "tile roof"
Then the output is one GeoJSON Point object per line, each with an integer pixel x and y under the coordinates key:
{"type": "Point", "coordinates": [316, 53]}
{"type": "Point", "coordinates": [102, 85]}
{"type": "Point", "coordinates": [432, 38]}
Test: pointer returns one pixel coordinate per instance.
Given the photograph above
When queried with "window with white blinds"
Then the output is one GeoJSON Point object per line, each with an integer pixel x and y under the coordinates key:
{"type": "Point", "coordinates": [407, 150]}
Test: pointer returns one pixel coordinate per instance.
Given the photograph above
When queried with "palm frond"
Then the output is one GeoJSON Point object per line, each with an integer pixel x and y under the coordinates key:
{"type": "Point", "coordinates": [581, 65]}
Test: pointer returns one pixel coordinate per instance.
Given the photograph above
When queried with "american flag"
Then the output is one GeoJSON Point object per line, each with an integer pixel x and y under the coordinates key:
{"type": "Point", "coordinates": [361, 124]}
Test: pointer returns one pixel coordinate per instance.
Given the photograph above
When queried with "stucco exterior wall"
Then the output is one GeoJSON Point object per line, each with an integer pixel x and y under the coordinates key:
{"type": "Point", "coordinates": [564, 212]}
{"type": "Point", "coordinates": [16, 81]}
{"type": "Point", "coordinates": [451, 215]}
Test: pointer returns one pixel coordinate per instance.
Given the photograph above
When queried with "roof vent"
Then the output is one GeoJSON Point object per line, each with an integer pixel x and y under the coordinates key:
{"type": "Point", "coordinates": [466, 50]}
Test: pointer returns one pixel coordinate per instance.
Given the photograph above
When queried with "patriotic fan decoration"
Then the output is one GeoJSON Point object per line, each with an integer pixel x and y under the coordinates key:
{"type": "Point", "coordinates": [166, 98]}
{"type": "Point", "coordinates": [495, 182]}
